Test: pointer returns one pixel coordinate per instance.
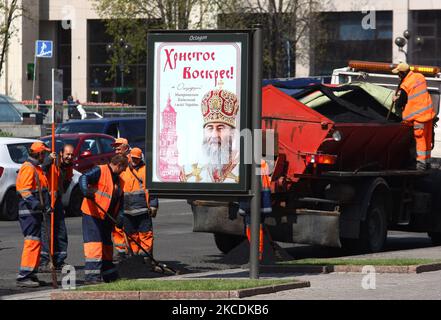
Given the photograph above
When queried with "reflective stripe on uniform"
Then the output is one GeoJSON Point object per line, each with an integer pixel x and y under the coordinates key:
{"type": "Point", "coordinates": [94, 260]}
{"type": "Point", "coordinates": [418, 126]}
{"type": "Point", "coordinates": [27, 269]}
{"type": "Point", "coordinates": [418, 112]}
{"type": "Point", "coordinates": [27, 212]}
{"type": "Point", "coordinates": [108, 196]}
{"type": "Point", "coordinates": [417, 94]}
{"type": "Point", "coordinates": [133, 212]}
{"type": "Point", "coordinates": [423, 153]}
{"type": "Point", "coordinates": [92, 271]}
{"type": "Point", "coordinates": [32, 238]}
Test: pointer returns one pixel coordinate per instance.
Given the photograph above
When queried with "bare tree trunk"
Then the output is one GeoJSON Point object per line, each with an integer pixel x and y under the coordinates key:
{"type": "Point", "coordinates": [10, 11]}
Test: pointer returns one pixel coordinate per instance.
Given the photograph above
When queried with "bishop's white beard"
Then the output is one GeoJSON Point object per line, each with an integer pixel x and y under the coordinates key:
{"type": "Point", "coordinates": [217, 152]}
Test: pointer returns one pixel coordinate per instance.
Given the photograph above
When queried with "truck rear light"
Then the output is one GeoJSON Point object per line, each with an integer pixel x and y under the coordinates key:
{"type": "Point", "coordinates": [1, 171]}
{"type": "Point", "coordinates": [321, 158]}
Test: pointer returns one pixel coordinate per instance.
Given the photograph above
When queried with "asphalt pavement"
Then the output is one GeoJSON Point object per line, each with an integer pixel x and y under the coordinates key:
{"type": "Point", "coordinates": [195, 254]}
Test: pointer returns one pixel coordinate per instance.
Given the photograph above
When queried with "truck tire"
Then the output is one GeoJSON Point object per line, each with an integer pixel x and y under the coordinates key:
{"type": "Point", "coordinates": [76, 200]}
{"type": "Point", "coordinates": [226, 242]}
{"type": "Point", "coordinates": [373, 230]}
{"type": "Point", "coordinates": [435, 237]}
{"type": "Point", "coordinates": [10, 206]}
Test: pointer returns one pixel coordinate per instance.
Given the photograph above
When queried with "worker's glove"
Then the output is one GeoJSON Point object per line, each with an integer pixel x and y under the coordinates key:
{"type": "Point", "coordinates": [90, 195]}
{"type": "Point", "coordinates": [153, 212]}
{"type": "Point", "coordinates": [119, 222]}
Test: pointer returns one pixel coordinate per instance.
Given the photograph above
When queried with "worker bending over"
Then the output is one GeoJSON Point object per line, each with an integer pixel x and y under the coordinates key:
{"type": "Point", "coordinates": [414, 100]}
{"type": "Point", "coordinates": [103, 189]}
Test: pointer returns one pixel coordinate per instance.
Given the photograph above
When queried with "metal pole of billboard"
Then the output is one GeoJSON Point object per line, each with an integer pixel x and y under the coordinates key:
{"type": "Point", "coordinates": [256, 100]}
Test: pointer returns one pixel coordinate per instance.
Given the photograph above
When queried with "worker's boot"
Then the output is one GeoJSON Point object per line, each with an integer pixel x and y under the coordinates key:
{"type": "Point", "coordinates": [421, 165]}
{"type": "Point", "coordinates": [121, 257]}
{"type": "Point", "coordinates": [30, 282]}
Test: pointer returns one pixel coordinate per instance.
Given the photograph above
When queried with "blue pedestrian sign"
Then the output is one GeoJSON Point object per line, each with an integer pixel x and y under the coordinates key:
{"type": "Point", "coordinates": [43, 49]}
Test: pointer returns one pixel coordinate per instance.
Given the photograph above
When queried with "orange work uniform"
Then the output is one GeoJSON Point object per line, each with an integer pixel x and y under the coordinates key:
{"type": "Point", "coordinates": [29, 179]}
{"type": "Point", "coordinates": [137, 221]}
{"type": "Point", "coordinates": [420, 112]}
{"type": "Point", "coordinates": [97, 228]}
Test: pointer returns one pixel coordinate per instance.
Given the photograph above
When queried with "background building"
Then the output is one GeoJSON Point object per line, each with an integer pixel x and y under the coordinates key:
{"type": "Point", "coordinates": [80, 43]}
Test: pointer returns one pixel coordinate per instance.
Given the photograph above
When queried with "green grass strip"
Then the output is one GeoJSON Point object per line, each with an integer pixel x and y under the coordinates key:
{"type": "Point", "coordinates": [183, 285]}
{"type": "Point", "coordinates": [360, 262]}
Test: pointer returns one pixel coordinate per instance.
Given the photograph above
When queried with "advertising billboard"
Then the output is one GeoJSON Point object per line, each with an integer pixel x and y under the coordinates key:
{"type": "Point", "coordinates": [198, 104]}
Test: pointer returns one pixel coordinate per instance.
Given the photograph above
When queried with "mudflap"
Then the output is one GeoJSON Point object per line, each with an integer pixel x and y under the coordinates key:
{"type": "Point", "coordinates": [216, 217]}
{"type": "Point", "coordinates": [306, 226]}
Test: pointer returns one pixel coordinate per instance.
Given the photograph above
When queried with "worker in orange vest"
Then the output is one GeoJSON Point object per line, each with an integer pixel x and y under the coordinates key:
{"type": "Point", "coordinates": [63, 178]}
{"type": "Point", "coordinates": [122, 147]}
{"type": "Point", "coordinates": [266, 206]}
{"type": "Point", "coordinates": [414, 100]}
{"type": "Point", "coordinates": [139, 207]}
{"type": "Point", "coordinates": [102, 187]}
{"type": "Point", "coordinates": [34, 201]}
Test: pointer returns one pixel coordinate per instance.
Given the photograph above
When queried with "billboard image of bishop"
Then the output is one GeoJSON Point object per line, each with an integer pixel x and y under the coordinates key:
{"type": "Point", "coordinates": [198, 92]}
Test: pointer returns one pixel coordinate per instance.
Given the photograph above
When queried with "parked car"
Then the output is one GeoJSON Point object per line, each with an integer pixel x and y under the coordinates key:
{"type": "Point", "coordinates": [13, 152]}
{"type": "Point", "coordinates": [90, 148]}
{"type": "Point", "coordinates": [11, 110]}
{"type": "Point", "coordinates": [133, 129]}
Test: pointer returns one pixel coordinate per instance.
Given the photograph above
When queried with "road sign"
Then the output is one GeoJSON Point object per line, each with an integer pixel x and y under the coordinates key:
{"type": "Point", "coordinates": [43, 49]}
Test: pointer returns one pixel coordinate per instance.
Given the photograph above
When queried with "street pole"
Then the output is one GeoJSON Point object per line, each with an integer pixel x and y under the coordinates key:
{"type": "Point", "coordinates": [256, 100]}
{"type": "Point", "coordinates": [35, 72]}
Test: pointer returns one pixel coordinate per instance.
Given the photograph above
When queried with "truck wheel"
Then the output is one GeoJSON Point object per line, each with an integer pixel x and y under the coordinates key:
{"type": "Point", "coordinates": [435, 237]}
{"type": "Point", "coordinates": [373, 231]}
{"type": "Point", "coordinates": [76, 200]}
{"type": "Point", "coordinates": [226, 242]}
{"type": "Point", "coordinates": [10, 206]}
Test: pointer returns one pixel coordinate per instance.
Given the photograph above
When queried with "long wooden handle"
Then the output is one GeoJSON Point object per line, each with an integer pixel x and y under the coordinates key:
{"type": "Point", "coordinates": [51, 260]}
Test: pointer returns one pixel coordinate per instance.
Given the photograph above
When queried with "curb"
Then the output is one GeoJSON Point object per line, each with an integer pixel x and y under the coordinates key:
{"type": "Point", "coordinates": [350, 268]}
{"type": "Point", "coordinates": [158, 295]}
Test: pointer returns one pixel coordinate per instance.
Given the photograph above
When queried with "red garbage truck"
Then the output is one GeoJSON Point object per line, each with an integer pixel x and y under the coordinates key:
{"type": "Point", "coordinates": [343, 174]}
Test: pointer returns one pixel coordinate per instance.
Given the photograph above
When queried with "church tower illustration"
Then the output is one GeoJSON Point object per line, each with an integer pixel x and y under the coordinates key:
{"type": "Point", "coordinates": [168, 145]}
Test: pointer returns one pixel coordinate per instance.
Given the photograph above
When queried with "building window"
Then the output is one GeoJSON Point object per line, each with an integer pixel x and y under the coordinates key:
{"type": "Point", "coordinates": [427, 25]}
{"type": "Point", "coordinates": [100, 84]}
{"type": "Point", "coordinates": [342, 38]}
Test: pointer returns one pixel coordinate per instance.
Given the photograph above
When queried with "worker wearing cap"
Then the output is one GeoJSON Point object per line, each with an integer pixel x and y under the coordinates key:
{"type": "Point", "coordinates": [102, 188]}
{"type": "Point", "coordinates": [415, 102]}
{"type": "Point", "coordinates": [139, 207]}
{"type": "Point", "coordinates": [121, 146]}
{"type": "Point", "coordinates": [34, 201]}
